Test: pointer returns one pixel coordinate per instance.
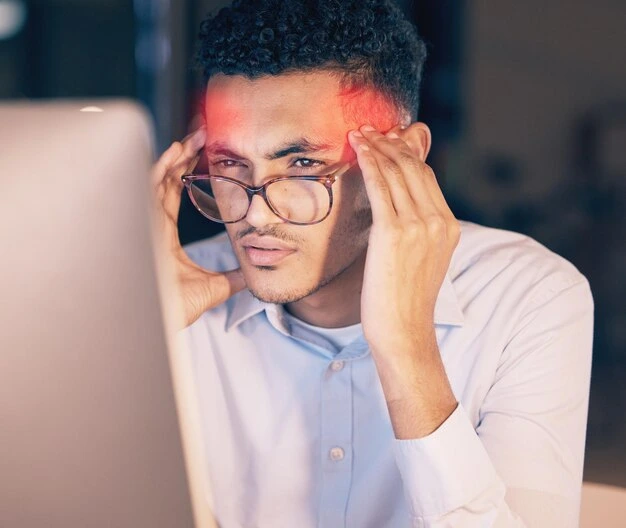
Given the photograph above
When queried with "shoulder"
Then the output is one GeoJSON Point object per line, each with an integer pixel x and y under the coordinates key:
{"type": "Point", "coordinates": [512, 264]}
{"type": "Point", "coordinates": [215, 253]}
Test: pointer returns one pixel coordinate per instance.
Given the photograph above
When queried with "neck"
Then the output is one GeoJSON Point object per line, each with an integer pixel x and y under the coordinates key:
{"type": "Point", "coordinates": [338, 303]}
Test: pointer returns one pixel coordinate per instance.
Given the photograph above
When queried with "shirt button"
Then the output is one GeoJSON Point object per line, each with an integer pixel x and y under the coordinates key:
{"type": "Point", "coordinates": [336, 454]}
{"type": "Point", "coordinates": [336, 366]}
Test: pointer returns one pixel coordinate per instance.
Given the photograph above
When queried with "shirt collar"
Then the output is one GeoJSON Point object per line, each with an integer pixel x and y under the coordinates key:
{"type": "Point", "coordinates": [244, 305]}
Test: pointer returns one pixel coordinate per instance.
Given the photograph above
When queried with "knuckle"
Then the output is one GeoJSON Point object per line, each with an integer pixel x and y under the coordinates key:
{"type": "Point", "coordinates": [176, 148]}
{"type": "Point", "coordinates": [409, 160]}
{"type": "Point", "coordinates": [416, 226]}
{"type": "Point", "coordinates": [391, 168]}
{"type": "Point", "coordinates": [454, 230]}
{"type": "Point", "coordinates": [395, 232]}
{"type": "Point", "coordinates": [454, 225]}
{"type": "Point", "coordinates": [368, 158]}
{"type": "Point", "coordinates": [436, 225]}
{"type": "Point", "coordinates": [429, 172]}
{"type": "Point", "coordinates": [376, 182]}
{"type": "Point", "coordinates": [381, 186]}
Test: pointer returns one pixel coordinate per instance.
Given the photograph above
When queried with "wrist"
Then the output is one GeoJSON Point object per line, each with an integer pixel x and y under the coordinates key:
{"type": "Point", "coordinates": [411, 423]}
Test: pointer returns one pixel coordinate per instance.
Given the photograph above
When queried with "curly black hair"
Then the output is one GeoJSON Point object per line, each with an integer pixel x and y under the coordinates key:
{"type": "Point", "coordinates": [368, 42]}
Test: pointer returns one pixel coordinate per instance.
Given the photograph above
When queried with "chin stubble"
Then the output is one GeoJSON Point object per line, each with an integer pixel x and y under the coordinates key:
{"type": "Point", "coordinates": [362, 220]}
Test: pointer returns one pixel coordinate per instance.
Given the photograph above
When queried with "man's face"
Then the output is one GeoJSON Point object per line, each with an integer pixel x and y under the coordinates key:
{"type": "Point", "coordinates": [249, 123]}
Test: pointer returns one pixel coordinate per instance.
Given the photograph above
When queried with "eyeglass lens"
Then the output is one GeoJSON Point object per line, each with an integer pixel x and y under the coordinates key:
{"type": "Point", "coordinates": [300, 201]}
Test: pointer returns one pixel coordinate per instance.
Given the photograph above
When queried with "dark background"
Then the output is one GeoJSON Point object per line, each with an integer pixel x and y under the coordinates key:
{"type": "Point", "coordinates": [526, 101]}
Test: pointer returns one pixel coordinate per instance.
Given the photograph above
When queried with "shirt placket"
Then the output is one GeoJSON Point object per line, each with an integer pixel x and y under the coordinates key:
{"type": "Point", "coordinates": [336, 443]}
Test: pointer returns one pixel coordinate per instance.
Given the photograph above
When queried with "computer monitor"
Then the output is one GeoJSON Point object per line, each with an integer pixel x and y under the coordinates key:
{"type": "Point", "coordinates": [89, 427]}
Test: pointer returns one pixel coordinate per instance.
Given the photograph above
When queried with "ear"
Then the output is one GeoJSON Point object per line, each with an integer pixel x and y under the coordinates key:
{"type": "Point", "coordinates": [418, 137]}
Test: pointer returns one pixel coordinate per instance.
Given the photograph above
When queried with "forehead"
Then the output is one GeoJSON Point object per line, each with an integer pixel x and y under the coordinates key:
{"type": "Point", "coordinates": [274, 108]}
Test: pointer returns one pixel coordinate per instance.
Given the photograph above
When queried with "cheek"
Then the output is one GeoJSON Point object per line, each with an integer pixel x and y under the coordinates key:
{"type": "Point", "coordinates": [231, 233]}
{"type": "Point", "coordinates": [353, 204]}
{"type": "Point", "coordinates": [232, 230]}
{"type": "Point", "coordinates": [351, 221]}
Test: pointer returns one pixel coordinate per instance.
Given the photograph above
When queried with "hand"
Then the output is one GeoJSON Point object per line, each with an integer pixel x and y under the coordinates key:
{"type": "Point", "coordinates": [412, 239]}
{"type": "Point", "coordinates": [199, 289]}
{"type": "Point", "coordinates": [411, 242]}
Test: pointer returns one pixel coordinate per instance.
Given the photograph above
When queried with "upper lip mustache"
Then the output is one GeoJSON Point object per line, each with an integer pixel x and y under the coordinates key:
{"type": "Point", "coordinates": [265, 243]}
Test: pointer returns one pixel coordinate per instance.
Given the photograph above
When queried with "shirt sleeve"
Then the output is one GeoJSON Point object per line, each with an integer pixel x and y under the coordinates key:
{"type": "Point", "coordinates": [522, 465]}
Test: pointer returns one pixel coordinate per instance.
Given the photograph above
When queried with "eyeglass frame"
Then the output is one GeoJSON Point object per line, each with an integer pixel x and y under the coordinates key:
{"type": "Point", "coordinates": [328, 180]}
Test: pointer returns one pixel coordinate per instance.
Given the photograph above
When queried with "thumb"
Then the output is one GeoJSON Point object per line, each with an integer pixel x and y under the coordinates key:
{"type": "Point", "coordinates": [224, 285]}
{"type": "Point", "coordinates": [209, 290]}
{"type": "Point", "coordinates": [236, 282]}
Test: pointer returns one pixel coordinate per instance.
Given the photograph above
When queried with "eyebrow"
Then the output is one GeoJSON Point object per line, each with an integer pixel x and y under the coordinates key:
{"type": "Point", "coordinates": [300, 146]}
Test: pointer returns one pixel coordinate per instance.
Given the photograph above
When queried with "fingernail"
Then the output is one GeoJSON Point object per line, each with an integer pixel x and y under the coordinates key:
{"type": "Point", "coordinates": [393, 135]}
{"type": "Point", "coordinates": [356, 133]}
{"type": "Point", "coordinates": [368, 128]}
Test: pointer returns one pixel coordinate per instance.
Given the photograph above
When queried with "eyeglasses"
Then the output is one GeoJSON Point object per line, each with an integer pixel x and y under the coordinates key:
{"type": "Point", "coordinates": [300, 200]}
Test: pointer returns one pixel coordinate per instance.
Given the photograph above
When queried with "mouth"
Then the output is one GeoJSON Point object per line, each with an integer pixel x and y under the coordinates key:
{"type": "Point", "coordinates": [266, 256]}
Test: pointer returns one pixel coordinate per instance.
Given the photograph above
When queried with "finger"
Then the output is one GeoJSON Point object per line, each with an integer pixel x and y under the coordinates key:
{"type": "Point", "coordinates": [424, 187]}
{"type": "Point", "coordinates": [384, 154]}
{"type": "Point", "coordinates": [189, 155]}
{"type": "Point", "coordinates": [166, 219]}
{"type": "Point", "coordinates": [171, 184]}
{"type": "Point", "coordinates": [178, 155]}
{"type": "Point", "coordinates": [431, 183]}
{"type": "Point", "coordinates": [227, 284]}
{"type": "Point", "coordinates": [408, 168]}
{"type": "Point", "coordinates": [203, 290]}
{"type": "Point", "coordinates": [420, 178]}
{"type": "Point", "coordinates": [434, 209]}
{"type": "Point", "coordinates": [193, 132]}
{"type": "Point", "coordinates": [193, 143]}
{"type": "Point", "coordinates": [375, 185]}
{"type": "Point", "coordinates": [429, 204]}
{"type": "Point", "coordinates": [167, 159]}
{"type": "Point", "coordinates": [171, 196]}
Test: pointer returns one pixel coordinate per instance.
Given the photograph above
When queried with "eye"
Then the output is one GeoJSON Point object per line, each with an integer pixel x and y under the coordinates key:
{"type": "Point", "coordinates": [227, 163]}
{"type": "Point", "coordinates": [306, 163]}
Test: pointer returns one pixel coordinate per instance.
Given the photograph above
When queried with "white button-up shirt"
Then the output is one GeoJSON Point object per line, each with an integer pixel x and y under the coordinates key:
{"type": "Point", "coordinates": [298, 434]}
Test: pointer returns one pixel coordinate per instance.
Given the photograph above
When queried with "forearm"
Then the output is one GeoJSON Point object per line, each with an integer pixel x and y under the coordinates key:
{"type": "Point", "coordinates": [417, 391]}
{"type": "Point", "coordinates": [519, 460]}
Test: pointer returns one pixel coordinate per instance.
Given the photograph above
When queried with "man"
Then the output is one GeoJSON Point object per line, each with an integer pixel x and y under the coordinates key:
{"type": "Point", "coordinates": [363, 359]}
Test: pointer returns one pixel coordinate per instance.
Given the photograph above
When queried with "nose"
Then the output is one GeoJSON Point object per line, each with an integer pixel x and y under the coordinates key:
{"type": "Point", "coordinates": [259, 213]}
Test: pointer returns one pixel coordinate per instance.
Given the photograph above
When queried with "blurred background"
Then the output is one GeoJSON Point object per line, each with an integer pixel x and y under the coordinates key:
{"type": "Point", "coordinates": [526, 101]}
